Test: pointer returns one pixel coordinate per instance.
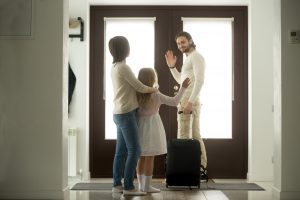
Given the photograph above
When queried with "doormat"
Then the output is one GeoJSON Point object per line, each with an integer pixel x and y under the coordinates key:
{"type": "Point", "coordinates": [162, 186]}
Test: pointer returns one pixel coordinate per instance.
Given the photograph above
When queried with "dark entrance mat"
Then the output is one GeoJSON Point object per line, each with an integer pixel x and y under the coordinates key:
{"type": "Point", "coordinates": [162, 186]}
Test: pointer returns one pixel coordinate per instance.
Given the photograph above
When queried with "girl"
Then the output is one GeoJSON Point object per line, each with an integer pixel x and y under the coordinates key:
{"type": "Point", "coordinates": [151, 129]}
{"type": "Point", "coordinates": [125, 85]}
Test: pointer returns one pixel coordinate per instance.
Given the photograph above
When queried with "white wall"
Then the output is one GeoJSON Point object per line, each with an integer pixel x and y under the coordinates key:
{"type": "Point", "coordinates": [261, 22]}
{"type": "Point", "coordinates": [261, 28]}
{"type": "Point", "coordinates": [32, 107]}
{"type": "Point", "coordinates": [79, 113]}
{"type": "Point", "coordinates": [277, 94]}
{"type": "Point", "coordinates": [286, 186]}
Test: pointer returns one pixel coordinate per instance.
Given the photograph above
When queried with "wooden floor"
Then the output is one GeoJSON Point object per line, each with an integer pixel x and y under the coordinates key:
{"type": "Point", "coordinates": [177, 195]}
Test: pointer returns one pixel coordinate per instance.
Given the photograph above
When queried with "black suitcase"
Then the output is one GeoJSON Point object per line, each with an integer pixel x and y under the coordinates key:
{"type": "Point", "coordinates": [183, 163]}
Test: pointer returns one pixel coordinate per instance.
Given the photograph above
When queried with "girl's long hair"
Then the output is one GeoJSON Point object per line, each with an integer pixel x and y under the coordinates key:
{"type": "Point", "coordinates": [148, 77]}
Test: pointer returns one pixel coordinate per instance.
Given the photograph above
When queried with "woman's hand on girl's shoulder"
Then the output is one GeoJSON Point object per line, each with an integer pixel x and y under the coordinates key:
{"type": "Point", "coordinates": [153, 90]}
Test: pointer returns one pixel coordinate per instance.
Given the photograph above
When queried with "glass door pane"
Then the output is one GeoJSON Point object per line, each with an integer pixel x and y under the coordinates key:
{"type": "Point", "coordinates": [140, 34]}
{"type": "Point", "coordinates": [213, 39]}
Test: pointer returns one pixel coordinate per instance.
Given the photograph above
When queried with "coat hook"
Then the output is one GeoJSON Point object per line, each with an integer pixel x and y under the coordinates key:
{"type": "Point", "coordinates": [74, 24]}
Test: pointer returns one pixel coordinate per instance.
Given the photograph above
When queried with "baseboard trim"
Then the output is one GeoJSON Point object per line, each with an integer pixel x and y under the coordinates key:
{"type": "Point", "coordinates": [88, 176]}
{"type": "Point", "coordinates": [254, 178]}
{"type": "Point", "coordinates": [275, 192]}
{"type": "Point", "coordinates": [285, 195]}
{"type": "Point", "coordinates": [33, 194]}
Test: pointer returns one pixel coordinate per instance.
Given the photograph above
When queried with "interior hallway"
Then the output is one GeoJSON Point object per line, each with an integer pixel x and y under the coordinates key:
{"type": "Point", "coordinates": [34, 115]}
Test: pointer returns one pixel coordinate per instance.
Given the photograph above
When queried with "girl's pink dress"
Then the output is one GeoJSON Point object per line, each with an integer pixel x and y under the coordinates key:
{"type": "Point", "coordinates": [151, 130]}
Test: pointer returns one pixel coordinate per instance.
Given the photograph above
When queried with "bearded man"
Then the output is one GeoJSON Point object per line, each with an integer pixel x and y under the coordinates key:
{"type": "Point", "coordinates": [189, 107]}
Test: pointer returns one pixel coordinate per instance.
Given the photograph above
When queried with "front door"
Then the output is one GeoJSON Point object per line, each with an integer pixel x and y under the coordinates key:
{"type": "Point", "coordinates": [227, 155]}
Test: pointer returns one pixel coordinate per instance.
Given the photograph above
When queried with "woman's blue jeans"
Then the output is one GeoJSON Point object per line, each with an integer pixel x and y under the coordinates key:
{"type": "Point", "coordinates": [127, 144]}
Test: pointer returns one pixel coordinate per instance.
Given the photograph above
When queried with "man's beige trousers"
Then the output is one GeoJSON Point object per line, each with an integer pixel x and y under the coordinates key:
{"type": "Point", "coordinates": [189, 127]}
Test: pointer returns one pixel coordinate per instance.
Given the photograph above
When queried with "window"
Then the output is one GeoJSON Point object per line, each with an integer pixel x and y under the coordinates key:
{"type": "Point", "coordinates": [141, 55]}
{"type": "Point", "coordinates": [213, 39]}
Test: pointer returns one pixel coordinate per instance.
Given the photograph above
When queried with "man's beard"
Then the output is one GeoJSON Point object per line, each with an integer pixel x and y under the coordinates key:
{"type": "Point", "coordinates": [186, 50]}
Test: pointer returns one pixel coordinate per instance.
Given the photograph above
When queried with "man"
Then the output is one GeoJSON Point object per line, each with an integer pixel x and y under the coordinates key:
{"type": "Point", "coordinates": [189, 107]}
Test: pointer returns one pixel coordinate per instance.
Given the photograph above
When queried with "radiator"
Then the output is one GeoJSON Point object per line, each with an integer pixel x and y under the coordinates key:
{"type": "Point", "coordinates": [72, 151]}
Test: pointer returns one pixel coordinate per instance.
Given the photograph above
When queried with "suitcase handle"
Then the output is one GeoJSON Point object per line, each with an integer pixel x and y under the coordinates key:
{"type": "Point", "coordinates": [180, 112]}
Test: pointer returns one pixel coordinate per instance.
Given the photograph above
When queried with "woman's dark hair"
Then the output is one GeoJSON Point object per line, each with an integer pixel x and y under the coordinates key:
{"type": "Point", "coordinates": [119, 48]}
{"type": "Point", "coordinates": [186, 35]}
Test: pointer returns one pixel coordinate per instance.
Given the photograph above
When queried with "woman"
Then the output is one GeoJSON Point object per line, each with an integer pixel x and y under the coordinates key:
{"type": "Point", "coordinates": [125, 86]}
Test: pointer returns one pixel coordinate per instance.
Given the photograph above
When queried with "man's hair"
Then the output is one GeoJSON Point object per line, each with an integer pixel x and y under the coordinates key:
{"type": "Point", "coordinates": [119, 48]}
{"type": "Point", "coordinates": [186, 35]}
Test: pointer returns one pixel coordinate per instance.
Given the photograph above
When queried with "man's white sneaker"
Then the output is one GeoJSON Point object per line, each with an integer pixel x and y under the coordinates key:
{"type": "Point", "coordinates": [117, 189]}
{"type": "Point", "coordinates": [133, 192]}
